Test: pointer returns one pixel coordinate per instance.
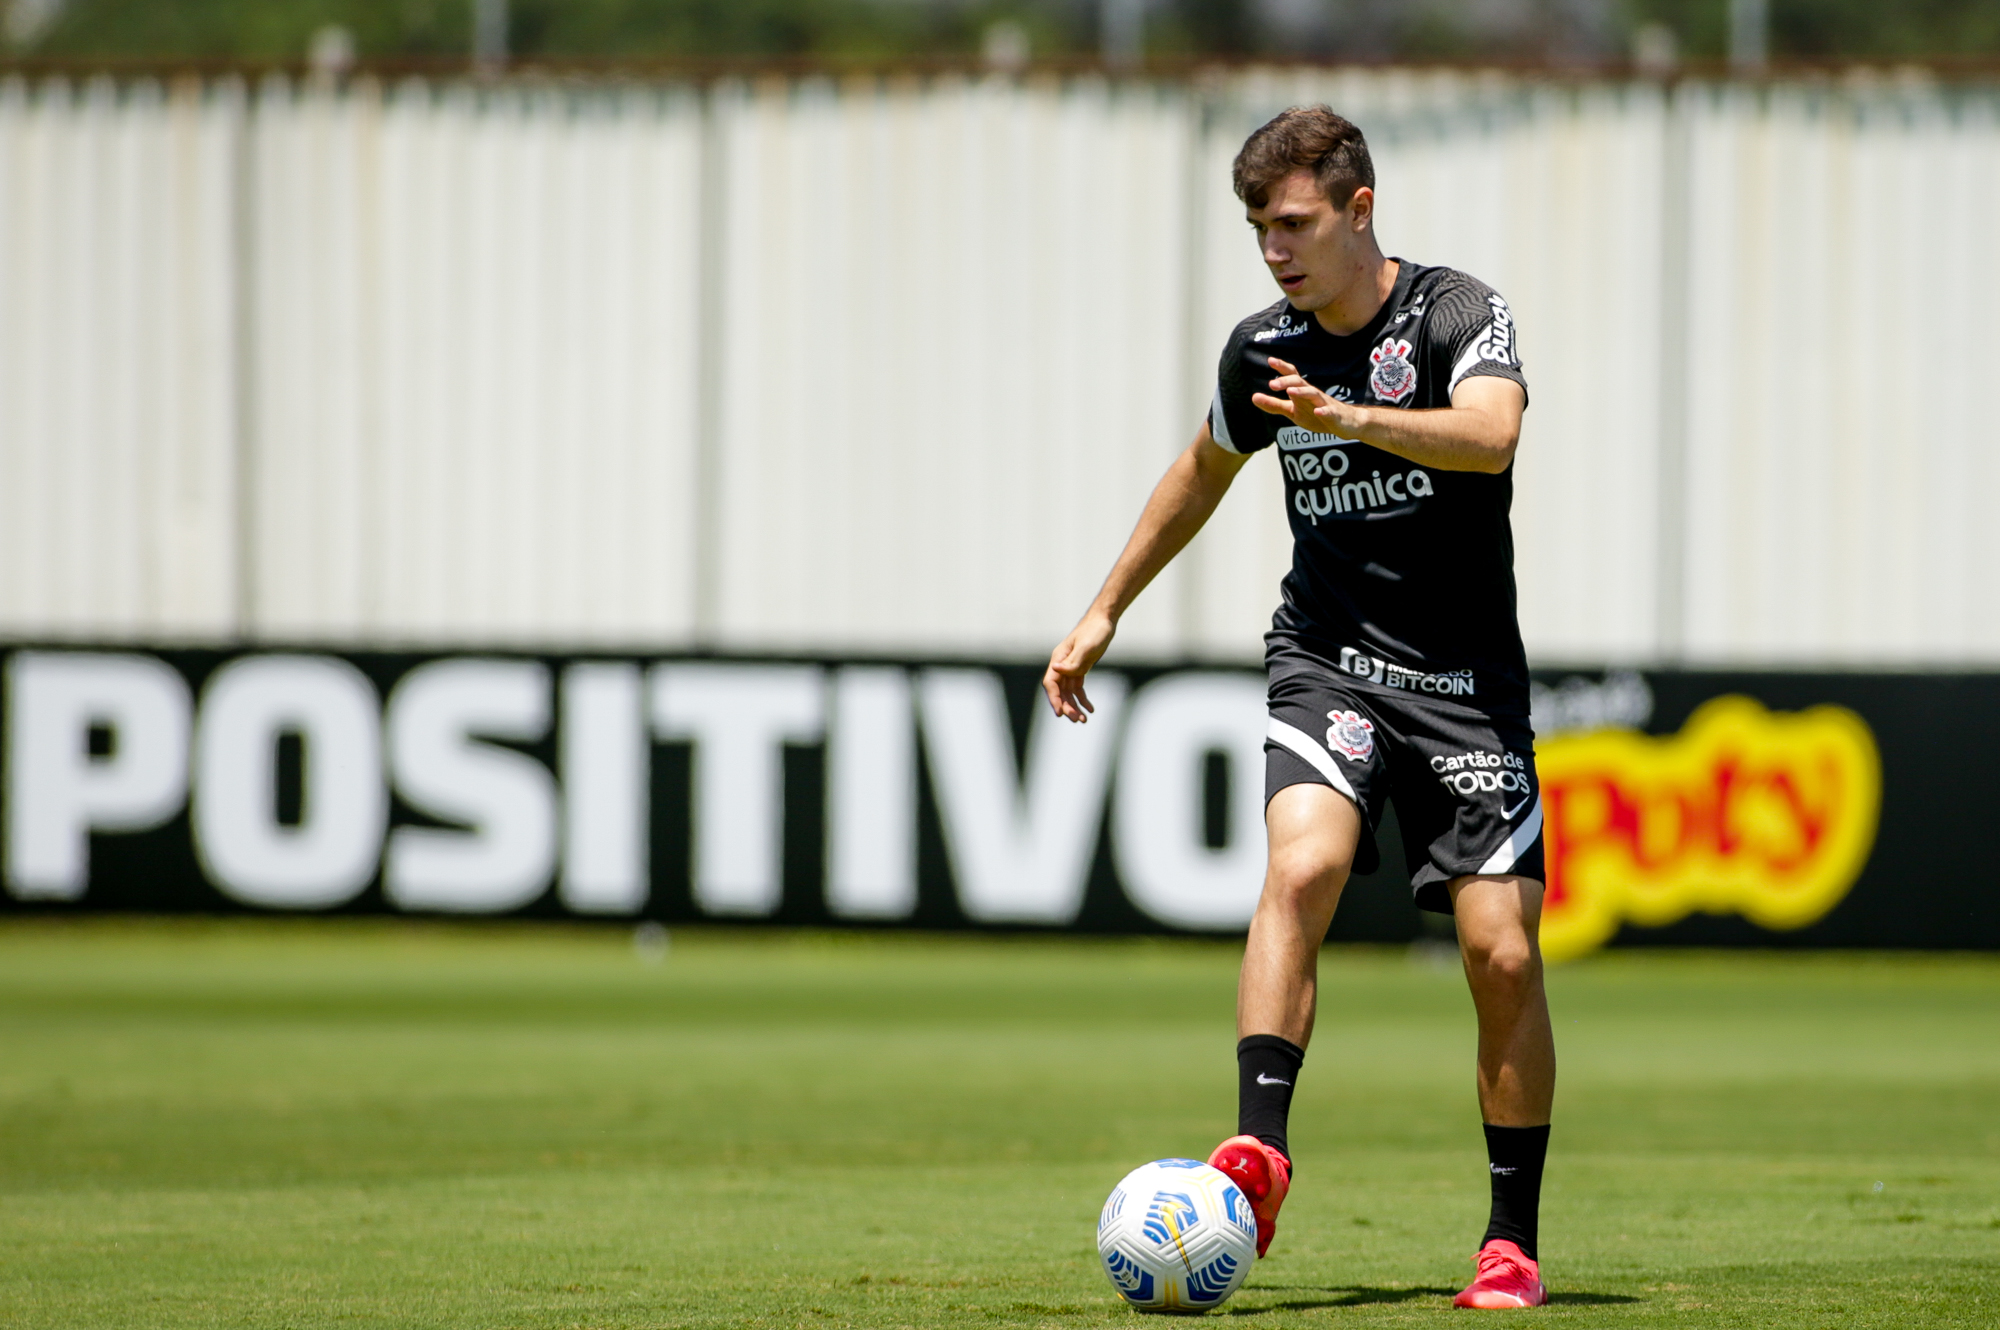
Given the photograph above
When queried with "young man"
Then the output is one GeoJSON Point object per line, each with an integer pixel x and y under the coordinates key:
{"type": "Point", "coordinates": [1394, 395]}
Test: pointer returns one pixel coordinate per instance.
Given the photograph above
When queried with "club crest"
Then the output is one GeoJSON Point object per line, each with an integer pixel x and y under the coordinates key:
{"type": "Point", "coordinates": [1352, 735]}
{"type": "Point", "coordinates": [1393, 377]}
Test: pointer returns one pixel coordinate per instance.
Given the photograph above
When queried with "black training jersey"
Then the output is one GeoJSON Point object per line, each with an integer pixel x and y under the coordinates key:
{"type": "Point", "coordinates": [1402, 576]}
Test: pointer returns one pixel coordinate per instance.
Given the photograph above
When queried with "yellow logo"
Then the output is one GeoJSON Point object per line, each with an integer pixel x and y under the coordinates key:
{"type": "Point", "coordinates": [1746, 811]}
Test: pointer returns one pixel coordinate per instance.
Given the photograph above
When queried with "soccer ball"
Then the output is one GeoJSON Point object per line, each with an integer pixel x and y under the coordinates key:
{"type": "Point", "coordinates": [1176, 1236]}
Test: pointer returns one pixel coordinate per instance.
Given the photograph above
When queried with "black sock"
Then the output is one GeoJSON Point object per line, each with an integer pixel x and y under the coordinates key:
{"type": "Point", "coordinates": [1514, 1158]}
{"type": "Point", "coordinates": [1266, 1069]}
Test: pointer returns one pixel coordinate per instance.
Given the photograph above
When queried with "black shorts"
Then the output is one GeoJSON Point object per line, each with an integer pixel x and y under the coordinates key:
{"type": "Point", "coordinates": [1463, 779]}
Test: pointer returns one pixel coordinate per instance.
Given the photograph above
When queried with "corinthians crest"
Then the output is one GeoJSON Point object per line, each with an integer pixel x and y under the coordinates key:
{"type": "Point", "coordinates": [1352, 735]}
{"type": "Point", "coordinates": [1394, 377]}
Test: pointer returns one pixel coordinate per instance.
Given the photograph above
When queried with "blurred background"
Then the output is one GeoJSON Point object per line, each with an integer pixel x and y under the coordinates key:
{"type": "Point", "coordinates": [836, 344]}
{"type": "Point", "coordinates": [616, 468]}
{"type": "Point", "coordinates": [1577, 33]}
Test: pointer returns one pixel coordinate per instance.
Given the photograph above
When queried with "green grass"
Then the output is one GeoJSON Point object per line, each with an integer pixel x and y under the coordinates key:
{"type": "Point", "coordinates": [361, 1124]}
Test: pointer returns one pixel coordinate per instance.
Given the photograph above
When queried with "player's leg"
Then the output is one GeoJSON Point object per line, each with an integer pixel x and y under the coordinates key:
{"type": "Point", "coordinates": [1313, 831]}
{"type": "Point", "coordinates": [1498, 922]}
{"type": "Point", "coordinates": [1499, 919]}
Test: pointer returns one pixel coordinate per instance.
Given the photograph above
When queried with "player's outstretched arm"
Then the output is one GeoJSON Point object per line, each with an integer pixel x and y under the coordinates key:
{"type": "Point", "coordinates": [1181, 502]}
{"type": "Point", "coordinates": [1479, 431]}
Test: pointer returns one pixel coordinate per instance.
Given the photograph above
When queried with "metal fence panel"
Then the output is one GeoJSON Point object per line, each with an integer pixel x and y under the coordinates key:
{"type": "Point", "coordinates": [890, 364]}
{"type": "Point", "coordinates": [950, 313]}
{"type": "Point", "coordinates": [117, 374]}
{"type": "Point", "coordinates": [1837, 465]}
{"type": "Point", "coordinates": [475, 334]}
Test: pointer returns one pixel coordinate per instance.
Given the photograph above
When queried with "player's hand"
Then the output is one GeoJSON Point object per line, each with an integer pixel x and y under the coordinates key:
{"type": "Point", "coordinates": [1071, 660]}
{"type": "Point", "coordinates": [1306, 406]}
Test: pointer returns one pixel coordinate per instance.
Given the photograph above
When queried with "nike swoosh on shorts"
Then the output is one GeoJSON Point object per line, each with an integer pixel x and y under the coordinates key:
{"type": "Point", "coordinates": [1507, 814]}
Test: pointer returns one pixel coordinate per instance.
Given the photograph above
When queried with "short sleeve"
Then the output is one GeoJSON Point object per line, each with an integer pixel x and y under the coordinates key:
{"type": "Point", "coordinates": [1475, 333]}
{"type": "Point", "coordinates": [1234, 424]}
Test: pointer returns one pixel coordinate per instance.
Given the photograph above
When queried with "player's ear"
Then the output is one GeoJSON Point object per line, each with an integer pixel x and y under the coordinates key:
{"type": "Point", "coordinates": [1361, 208]}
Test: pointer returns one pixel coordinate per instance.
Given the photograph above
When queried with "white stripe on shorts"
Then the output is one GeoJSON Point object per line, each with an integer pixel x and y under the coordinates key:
{"type": "Point", "coordinates": [1508, 855]}
{"type": "Point", "coordinates": [1296, 739]}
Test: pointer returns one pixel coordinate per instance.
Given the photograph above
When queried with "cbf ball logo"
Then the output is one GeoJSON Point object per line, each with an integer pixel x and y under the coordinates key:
{"type": "Point", "coordinates": [1394, 377]}
{"type": "Point", "coordinates": [1352, 735]}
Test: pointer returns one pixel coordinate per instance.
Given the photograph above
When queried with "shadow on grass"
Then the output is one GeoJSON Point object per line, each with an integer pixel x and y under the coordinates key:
{"type": "Point", "coordinates": [1343, 1295]}
{"type": "Point", "coordinates": [1592, 1299]}
{"type": "Point", "coordinates": [1363, 1295]}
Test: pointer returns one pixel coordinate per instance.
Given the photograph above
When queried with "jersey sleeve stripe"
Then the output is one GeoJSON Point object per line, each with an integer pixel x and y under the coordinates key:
{"type": "Point", "coordinates": [1298, 741]}
{"type": "Point", "coordinates": [1508, 855]}
{"type": "Point", "coordinates": [1218, 424]}
{"type": "Point", "coordinates": [1467, 361]}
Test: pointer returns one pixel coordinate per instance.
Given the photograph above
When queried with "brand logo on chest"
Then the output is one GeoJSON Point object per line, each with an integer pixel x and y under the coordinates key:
{"type": "Point", "coordinates": [1394, 376]}
{"type": "Point", "coordinates": [1285, 328]}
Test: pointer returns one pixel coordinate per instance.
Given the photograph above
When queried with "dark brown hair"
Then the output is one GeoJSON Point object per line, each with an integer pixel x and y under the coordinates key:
{"type": "Point", "coordinates": [1305, 138]}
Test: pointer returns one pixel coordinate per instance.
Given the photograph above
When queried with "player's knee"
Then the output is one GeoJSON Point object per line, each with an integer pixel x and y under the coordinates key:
{"type": "Point", "coordinates": [1508, 963]}
{"type": "Point", "coordinates": [1304, 883]}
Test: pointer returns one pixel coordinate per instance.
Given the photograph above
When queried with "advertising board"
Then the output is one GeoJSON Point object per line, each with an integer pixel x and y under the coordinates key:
{"type": "Point", "coordinates": [1761, 809]}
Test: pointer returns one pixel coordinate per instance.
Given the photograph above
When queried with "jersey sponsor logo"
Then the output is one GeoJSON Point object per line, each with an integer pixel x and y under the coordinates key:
{"type": "Point", "coordinates": [1415, 311]}
{"type": "Point", "coordinates": [1292, 438]}
{"type": "Point", "coordinates": [1330, 465]}
{"type": "Point", "coordinates": [1455, 683]}
{"type": "Point", "coordinates": [1286, 328]}
{"type": "Point", "coordinates": [1352, 735]}
{"type": "Point", "coordinates": [1377, 491]}
{"type": "Point", "coordinates": [1482, 773]}
{"type": "Point", "coordinates": [1393, 377]}
{"type": "Point", "coordinates": [1497, 345]}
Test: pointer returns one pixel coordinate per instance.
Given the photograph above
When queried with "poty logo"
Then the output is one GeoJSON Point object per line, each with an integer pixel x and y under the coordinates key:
{"type": "Point", "coordinates": [1393, 377]}
{"type": "Point", "coordinates": [1746, 811]}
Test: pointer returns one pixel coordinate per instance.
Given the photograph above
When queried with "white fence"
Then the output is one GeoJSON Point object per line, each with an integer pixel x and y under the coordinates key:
{"type": "Point", "coordinates": [890, 365]}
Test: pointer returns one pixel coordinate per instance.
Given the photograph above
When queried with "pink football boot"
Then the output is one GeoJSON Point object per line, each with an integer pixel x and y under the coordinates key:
{"type": "Point", "coordinates": [1506, 1278]}
{"type": "Point", "coordinates": [1264, 1175]}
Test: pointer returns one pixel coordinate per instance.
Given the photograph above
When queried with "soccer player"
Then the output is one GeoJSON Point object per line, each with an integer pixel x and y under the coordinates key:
{"type": "Point", "coordinates": [1393, 393]}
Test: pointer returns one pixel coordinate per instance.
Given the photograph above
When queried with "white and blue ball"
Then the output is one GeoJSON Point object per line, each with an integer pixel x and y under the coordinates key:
{"type": "Point", "coordinates": [1176, 1236]}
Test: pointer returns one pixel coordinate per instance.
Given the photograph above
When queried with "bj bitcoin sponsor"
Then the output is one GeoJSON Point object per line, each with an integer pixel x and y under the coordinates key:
{"type": "Point", "coordinates": [1457, 683]}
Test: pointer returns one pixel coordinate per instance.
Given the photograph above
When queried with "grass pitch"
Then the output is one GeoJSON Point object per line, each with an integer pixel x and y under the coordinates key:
{"type": "Point", "coordinates": [373, 1124]}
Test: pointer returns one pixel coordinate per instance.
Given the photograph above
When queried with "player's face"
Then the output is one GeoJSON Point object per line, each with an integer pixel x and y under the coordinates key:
{"type": "Point", "coordinates": [1312, 248]}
